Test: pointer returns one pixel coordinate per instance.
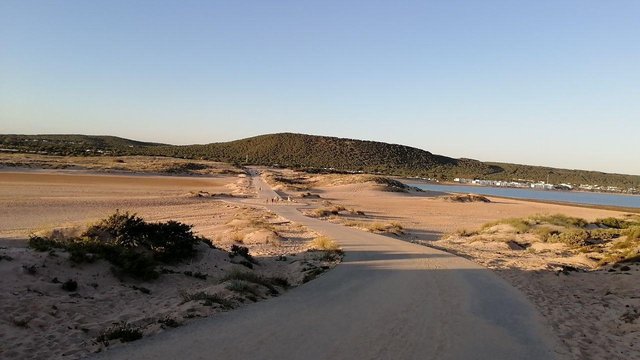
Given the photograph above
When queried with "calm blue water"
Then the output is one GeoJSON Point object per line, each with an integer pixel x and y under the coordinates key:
{"type": "Point", "coordinates": [563, 196]}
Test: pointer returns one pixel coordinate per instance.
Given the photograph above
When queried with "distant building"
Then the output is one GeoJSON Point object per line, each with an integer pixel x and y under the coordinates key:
{"type": "Point", "coordinates": [542, 186]}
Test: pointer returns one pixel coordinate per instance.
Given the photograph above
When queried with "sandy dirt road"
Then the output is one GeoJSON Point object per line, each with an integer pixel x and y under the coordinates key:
{"type": "Point", "coordinates": [389, 299]}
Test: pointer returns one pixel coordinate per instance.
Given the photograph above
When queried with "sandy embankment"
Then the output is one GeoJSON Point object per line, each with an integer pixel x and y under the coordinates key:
{"type": "Point", "coordinates": [592, 313]}
{"type": "Point", "coordinates": [41, 320]}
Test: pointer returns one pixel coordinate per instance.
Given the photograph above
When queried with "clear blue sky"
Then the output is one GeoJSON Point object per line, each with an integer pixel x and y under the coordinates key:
{"type": "Point", "coordinates": [539, 82]}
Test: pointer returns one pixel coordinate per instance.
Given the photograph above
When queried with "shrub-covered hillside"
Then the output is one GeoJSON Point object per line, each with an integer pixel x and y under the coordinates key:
{"type": "Point", "coordinates": [309, 151]}
{"type": "Point", "coordinates": [316, 152]}
{"type": "Point", "coordinates": [73, 144]}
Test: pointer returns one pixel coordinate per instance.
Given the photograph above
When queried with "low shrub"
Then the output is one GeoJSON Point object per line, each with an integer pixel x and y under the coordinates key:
{"type": "Point", "coordinates": [612, 222]}
{"type": "Point", "coordinates": [561, 220]}
{"type": "Point", "coordinates": [242, 251]}
{"type": "Point", "coordinates": [520, 226]}
{"type": "Point", "coordinates": [467, 198]}
{"type": "Point", "coordinates": [280, 281]}
{"type": "Point", "coordinates": [465, 233]}
{"type": "Point", "coordinates": [312, 273]}
{"type": "Point", "coordinates": [169, 322]}
{"type": "Point", "coordinates": [604, 234]}
{"type": "Point", "coordinates": [129, 243]}
{"type": "Point", "coordinates": [633, 233]}
{"type": "Point", "coordinates": [207, 299]}
{"type": "Point", "coordinates": [197, 275]}
{"type": "Point", "coordinates": [121, 331]}
{"type": "Point", "coordinates": [5, 257]}
{"type": "Point", "coordinates": [324, 243]}
{"type": "Point", "coordinates": [574, 237]}
{"type": "Point", "coordinates": [327, 211]}
{"type": "Point", "coordinates": [392, 228]}
{"type": "Point", "coordinates": [545, 233]}
{"type": "Point", "coordinates": [251, 277]}
{"type": "Point", "coordinates": [244, 288]}
{"type": "Point", "coordinates": [30, 269]}
{"type": "Point", "coordinates": [330, 255]}
{"type": "Point", "coordinates": [70, 285]}
{"type": "Point", "coordinates": [237, 236]}
{"type": "Point", "coordinates": [42, 244]}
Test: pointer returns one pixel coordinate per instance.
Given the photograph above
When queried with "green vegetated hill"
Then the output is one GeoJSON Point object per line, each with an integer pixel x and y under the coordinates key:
{"type": "Point", "coordinates": [318, 152]}
{"type": "Point", "coordinates": [322, 152]}
{"type": "Point", "coordinates": [73, 144]}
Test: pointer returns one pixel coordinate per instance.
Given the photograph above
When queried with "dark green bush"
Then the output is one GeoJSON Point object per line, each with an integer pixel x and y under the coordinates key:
{"type": "Point", "coordinates": [171, 241]}
{"type": "Point", "coordinates": [125, 240]}
{"type": "Point", "coordinates": [135, 264]}
{"type": "Point", "coordinates": [120, 229]}
{"type": "Point", "coordinates": [242, 251]}
{"type": "Point", "coordinates": [39, 243]}
{"type": "Point", "coordinates": [70, 285]}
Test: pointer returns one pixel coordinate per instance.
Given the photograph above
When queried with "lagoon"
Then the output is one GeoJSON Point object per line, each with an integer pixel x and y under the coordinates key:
{"type": "Point", "coordinates": [606, 199]}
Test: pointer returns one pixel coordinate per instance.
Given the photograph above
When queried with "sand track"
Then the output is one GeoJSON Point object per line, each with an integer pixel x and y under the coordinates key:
{"type": "Point", "coordinates": [389, 299]}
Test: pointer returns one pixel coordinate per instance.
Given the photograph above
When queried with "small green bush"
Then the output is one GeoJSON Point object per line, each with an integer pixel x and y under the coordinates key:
{"type": "Point", "coordinates": [42, 244]}
{"type": "Point", "coordinates": [574, 237]}
{"type": "Point", "coordinates": [612, 222]}
{"type": "Point", "coordinates": [545, 233]}
{"type": "Point", "coordinates": [561, 220]}
{"type": "Point", "coordinates": [123, 229]}
{"type": "Point", "coordinates": [604, 234]}
{"type": "Point", "coordinates": [520, 226]}
{"type": "Point", "coordinates": [169, 241]}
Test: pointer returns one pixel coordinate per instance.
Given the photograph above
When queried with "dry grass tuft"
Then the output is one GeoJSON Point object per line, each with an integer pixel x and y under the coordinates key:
{"type": "Point", "coordinates": [324, 243]}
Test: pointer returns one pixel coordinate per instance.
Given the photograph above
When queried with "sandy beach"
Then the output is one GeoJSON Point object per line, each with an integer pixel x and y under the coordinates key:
{"type": "Point", "coordinates": [598, 321]}
{"type": "Point", "coordinates": [33, 201]}
{"type": "Point", "coordinates": [42, 320]}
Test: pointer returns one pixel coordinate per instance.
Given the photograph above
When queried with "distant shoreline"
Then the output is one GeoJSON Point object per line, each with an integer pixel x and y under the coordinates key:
{"type": "Point", "coordinates": [510, 187]}
{"type": "Point", "coordinates": [563, 203]}
{"type": "Point", "coordinates": [94, 172]}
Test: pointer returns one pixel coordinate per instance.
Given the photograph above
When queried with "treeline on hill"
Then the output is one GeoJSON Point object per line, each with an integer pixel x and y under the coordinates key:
{"type": "Point", "coordinates": [74, 144]}
{"type": "Point", "coordinates": [316, 153]}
